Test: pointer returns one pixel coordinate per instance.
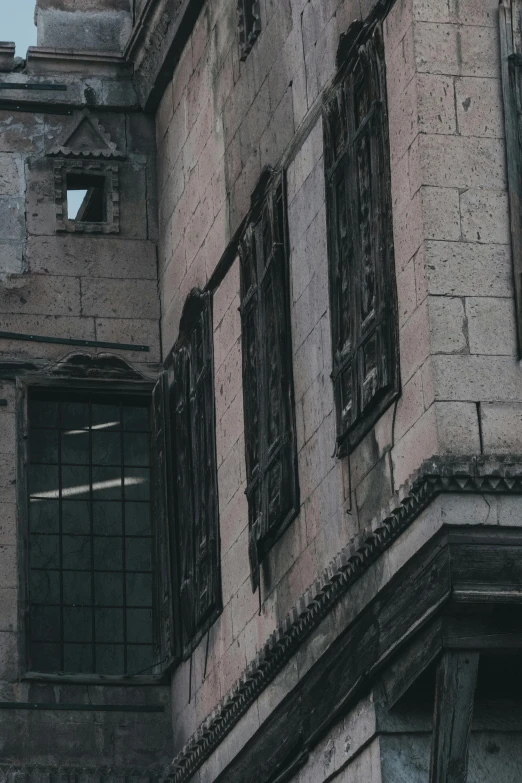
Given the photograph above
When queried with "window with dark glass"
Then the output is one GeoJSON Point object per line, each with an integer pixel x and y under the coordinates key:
{"type": "Point", "coordinates": [194, 452]}
{"type": "Point", "coordinates": [90, 539]}
{"type": "Point", "coordinates": [249, 25]}
{"type": "Point", "coordinates": [360, 241]}
{"type": "Point", "coordinates": [270, 443]}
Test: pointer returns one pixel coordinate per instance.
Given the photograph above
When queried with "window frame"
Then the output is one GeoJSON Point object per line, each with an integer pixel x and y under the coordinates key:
{"type": "Point", "coordinates": [248, 37]}
{"type": "Point", "coordinates": [264, 202]}
{"type": "Point", "coordinates": [143, 388]}
{"type": "Point", "coordinates": [199, 304]}
{"type": "Point", "coordinates": [109, 172]}
{"type": "Point", "coordinates": [361, 55]}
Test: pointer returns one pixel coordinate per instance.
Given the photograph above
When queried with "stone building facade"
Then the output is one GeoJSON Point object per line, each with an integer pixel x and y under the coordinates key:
{"type": "Point", "coordinates": [261, 400]}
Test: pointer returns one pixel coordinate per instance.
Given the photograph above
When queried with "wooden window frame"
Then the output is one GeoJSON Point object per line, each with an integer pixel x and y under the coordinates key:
{"type": "Point", "coordinates": [266, 233]}
{"type": "Point", "coordinates": [361, 396]}
{"type": "Point", "coordinates": [143, 388]}
{"type": "Point", "coordinates": [186, 380]}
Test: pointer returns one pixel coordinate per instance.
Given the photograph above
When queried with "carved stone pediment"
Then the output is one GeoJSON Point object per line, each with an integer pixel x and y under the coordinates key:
{"type": "Point", "coordinates": [86, 138]}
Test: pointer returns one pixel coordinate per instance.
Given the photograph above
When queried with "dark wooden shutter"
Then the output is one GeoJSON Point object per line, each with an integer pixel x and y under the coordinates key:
{"type": "Point", "coordinates": [360, 244]}
{"type": "Point", "coordinates": [272, 486]}
{"type": "Point", "coordinates": [193, 420]}
{"type": "Point", "coordinates": [165, 641]}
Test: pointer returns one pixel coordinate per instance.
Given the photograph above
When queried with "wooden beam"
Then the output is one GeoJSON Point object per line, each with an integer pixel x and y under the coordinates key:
{"type": "Point", "coordinates": [454, 694]}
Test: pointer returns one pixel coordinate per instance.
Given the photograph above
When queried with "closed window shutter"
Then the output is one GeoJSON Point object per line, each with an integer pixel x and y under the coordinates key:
{"type": "Point", "coordinates": [192, 397]}
{"type": "Point", "coordinates": [165, 641]}
{"type": "Point", "coordinates": [272, 486]}
{"type": "Point", "coordinates": [360, 244]}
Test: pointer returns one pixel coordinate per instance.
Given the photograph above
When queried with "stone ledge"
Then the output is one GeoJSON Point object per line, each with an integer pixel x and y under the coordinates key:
{"type": "Point", "coordinates": [43, 60]}
{"type": "Point", "coordinates": [472, 475]}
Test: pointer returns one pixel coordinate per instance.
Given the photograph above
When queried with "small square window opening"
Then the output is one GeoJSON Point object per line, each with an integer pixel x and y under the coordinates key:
{"type": "Point", "coordinates": [86, 197]}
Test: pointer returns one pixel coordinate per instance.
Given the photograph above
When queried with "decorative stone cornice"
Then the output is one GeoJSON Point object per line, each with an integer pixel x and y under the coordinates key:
{"type": "Point", "coordinates": [436, 476]}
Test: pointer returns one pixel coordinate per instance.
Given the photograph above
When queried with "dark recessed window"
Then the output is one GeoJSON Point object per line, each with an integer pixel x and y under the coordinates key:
{"type": "Point", "coordinates": [86, 198]}
{"type": "Point", "coordinates": [90, 539]}
{"type": "Point", "coordinates": [270, 441]}
{"type": "Point", "coordinates": [363, 300]}
{"type": "Point", "coordinates": [249, 25]}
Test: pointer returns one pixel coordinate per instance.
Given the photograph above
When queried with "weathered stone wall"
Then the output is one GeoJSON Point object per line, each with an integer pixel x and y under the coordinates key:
{"type": "Point", "coordinates": [219, 122]}
{"type": "Point", "coordinates": [70, 286]}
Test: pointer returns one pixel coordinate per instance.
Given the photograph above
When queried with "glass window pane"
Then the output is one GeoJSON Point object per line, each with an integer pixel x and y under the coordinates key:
{"type": "Point", "coordinates": [135, 419]}
{"type": "Point", "coordinates": [106, 483]}
{"type": "Point", "coordinates": [77, 658]}
{"type": "Point", "coordinates": [106, 448]}
{"type": "Point", "coordinates": [107, 518]}
{"type": "Point", "coordinates": [108, 553]}
{"type": "Point", "coordinates": [108, 589]}
{"type": "Point", "coordinates": [77, 624]}
{"type": "Point", "coordinates": [77, 588]}
{"type": "Point", "coordinates": [109, 659]}
{"type": "Point", "coordinates": [75, 447]}
{"type": "Point", "coordinates": [136, 448]}
{"type": "Point", "coordinates": [43, 481]}
{"type": "Point", "coordinates": [45, 551]}
{"type": "Point", "coordinates": [43, 446]}
{"type": "Point", "coordinates": [45, 657]}
{"type": "Point", "coordinates": [75, 482]}
{"type": "Point", "coordinates": [75, 415]}
{"type": "Point", "coordinates": [45, 587]}
{"type": "Point", "coordinates": [105, 417]}
{"type": "Point", "coordinates": [109, 625]}
{"type": "Point", "coordinates": [45, 623]}
{"type": "Point", "coordinates": [76, 516]}
{"type": "Point", "coordinates": [76, 552]}
{"type": "Point", "coordinates": [139, 625]}
{"type": "Point", "coordinates": [139, 658]}
{"type": "Point", "coordinates": [43, 413]}
{"type": "Point", "coordinates": [138, 554]}
{"type": "Point", "coordinates": [137, 482]}
{"type": "Point", "coordinates": [44, 516]}
{"type": "Point", "coordinates": [139, 590]}
{"type": "Point", "coordinates": [137, 519]}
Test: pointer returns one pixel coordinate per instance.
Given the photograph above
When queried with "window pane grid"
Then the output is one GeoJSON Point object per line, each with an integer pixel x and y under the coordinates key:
{"type": "Point", "coordinates": [104, 579]}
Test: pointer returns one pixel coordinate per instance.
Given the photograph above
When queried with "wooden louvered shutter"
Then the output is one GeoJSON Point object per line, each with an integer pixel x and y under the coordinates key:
{"type": "Point", "coordinates": [207, 590]}
{"type": "Point", "coordinates": [165, 641]}
{"type": "Point", "coordinates": [184, 501]}
{"type": "Point", "coordinates": [360, 243]}
{"type": "Point", "coordinates": [272, 486]}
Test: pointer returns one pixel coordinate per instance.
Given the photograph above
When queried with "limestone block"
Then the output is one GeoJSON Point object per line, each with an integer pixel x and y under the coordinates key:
{"type": "Point", "coordinates": [102, 30]}
{"type": "Point", "coordinates": [11, 259]}
{"type": "Point", "coordinates": [320, 61]}
{"type": "Point", "coordinates": [441, 213]}
{"type": "Point", "coordinates": [11, 175]}
{"type": "Point", "coordinates": [501, 428]}
{"type": "Point", "coordinates": [92, 257]}
{"type": "Point", "coordinates": [318, 404]}
{"type": "Point", "coordinates": [491, 326]}
{"type": "Point", "coordinates": [466, 269]}
{"type": "Point", "coordinates": [120, 298]}
{"type": "Point", "coordinates": [229, 428]}
{"type": "Point", "coordinates": [457, 427]}
{"type": "Point", "coordinates": [474, 12]}
{"type": "Point", "coordinates": [233, 519]}
{"type": "Point", "coordinates": [460, 51]}
{"type": "Point", "coordinates": [472, 377]}
{"type": "Point", "coordinates": [414, 341]}
{"type": "Point", "coordinates": [485, 216]}
{"type": "Point", "coordinates": [398, 21]}
{"type": "Point", "coordinates": [228, 378]}
{"type": "Point", "coordinates": [235, 567]}
{"type": "Point", "coordinates": [323, 512]}
{"type": "Point", "coordinates": [309, 253]}
{"type": "Point", "coordinates": [311, 306]}
{"type": "Point", "coordinates": [8, 566]}
{"type": "Point", "coordinates": [373, 492]}
{"type": "Point", "coordinates": [447, 324]}
{"type": "Point", "coordinates": [134, 331]}
{"type": "Point", "coordinates": [403, 112]}
{"type": "Point", "coordinates": [242, 190]}
{"type": "Point", "coordinates": [407, 231]}
{"type": "Point", "coordinates": [8, 656]}
{"type": "Point", "coordinates": [479, 107]}
{"type": "Point", "coordinates": [243, 605]}
{"type": "Point", "coordinates": [231, 473]}
{"type": "Point", "coordinates": [133, 200]}
{"type": "Point", "coordinates": [8, 528]}
{"type": "Point", "coordinates": [21, 132]}
{"type": "Point", "coordinates": [8, 609]}
{"type": "Point", "coordinates": [436, 104]}
{"type": "Point", "coordinates": [452, 162]}
{"type": "Point", "coordinates": [315, 458]}
{"type": "Point", "coordinates": [40, 197]}
{"type": "Point", "coordinates": [216, 240]}
{"type": "Point", "coordinates": [226, 335]}
{"type": "Point", "coordinates": [308, 360]}
{"type": "Point", "coordinates": [279, 132]}
{"type": "Point", "coordinates": [37, 294]}
{"type": "Point", "coordinates": [227, 293]}
{"type": "Point", "coordinates": [12, 218]}
{"type": "Point", "coordinates": [307, 157]}
{"type": "Point", "coordinates": [418, 443]}
{"type": "Point", "coordinates": [410, 405]}
{"type": "Point", "coordinates": [140, 133]}
{"type": "Point", "coordinates": [48, 326]}
{"type": "Point", "coordinates": [9, 432]}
